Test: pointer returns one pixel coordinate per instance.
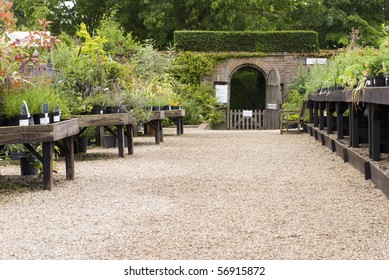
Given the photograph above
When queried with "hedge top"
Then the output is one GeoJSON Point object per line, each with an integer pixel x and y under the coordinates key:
{"type": "Point", "coordinates": [247, 41]}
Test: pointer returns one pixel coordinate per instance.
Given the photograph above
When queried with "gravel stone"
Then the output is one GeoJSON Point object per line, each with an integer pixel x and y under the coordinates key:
{"type": "Point", "coordinates": [202, 195]}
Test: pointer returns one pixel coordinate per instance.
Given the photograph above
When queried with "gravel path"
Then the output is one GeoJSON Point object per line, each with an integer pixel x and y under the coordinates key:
{"type": "Point", "coordinates": [203, 195]}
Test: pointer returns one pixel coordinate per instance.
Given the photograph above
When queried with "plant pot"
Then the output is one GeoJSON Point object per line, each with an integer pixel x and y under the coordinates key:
{"type": "Point", "coordinates": [114, 109]}
{"type": "Point", "coordinates": [377, 81]}
{"type": "Point", "coordinates": [175, 107]}
{"type": "Point", "coordinates": [55, 117]}
{"type": "Point", "coordinates": [82, 144]}
{"type": "Point", "coordinates": [98, 110]}
{"type": "Point", "coordinates": [166, 108]}
{"type": "Point", "coordinates": [109, 141]}
{"type": "Point", "coordinates": [155, 108]}
{"type": "Point", "coordinates": [3, 120]}
{"type": "Point", "coordinates": [41, 119]}
{"type": "Point", "coordinates": [26, 168]}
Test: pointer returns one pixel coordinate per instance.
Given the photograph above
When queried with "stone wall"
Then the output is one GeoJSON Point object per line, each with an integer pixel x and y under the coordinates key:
{"type": "Point", "coordinates": [286, 64]}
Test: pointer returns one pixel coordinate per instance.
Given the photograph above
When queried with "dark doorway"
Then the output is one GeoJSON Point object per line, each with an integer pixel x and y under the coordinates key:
{"type": "Point", "coordinates": [248, 89]}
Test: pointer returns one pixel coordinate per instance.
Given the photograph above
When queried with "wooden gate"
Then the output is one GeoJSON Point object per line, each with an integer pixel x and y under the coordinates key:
{"type": "Point", "coordinates": [253, 119]}
{"type": "Point", "coordinates": [246, 119]}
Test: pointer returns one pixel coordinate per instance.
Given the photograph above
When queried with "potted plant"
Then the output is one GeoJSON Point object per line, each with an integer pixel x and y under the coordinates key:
{"type": "Point", "coordinates": [98, 101]}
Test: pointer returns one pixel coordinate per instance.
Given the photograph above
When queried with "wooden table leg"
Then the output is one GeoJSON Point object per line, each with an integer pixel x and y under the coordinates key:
{"type": "Point", "coordinates": [130, 138]}
{"type": "Point", "coordinates": [374, 132]}
{"type": "Point", "coordinates": [157, 131]}
{"type": "Point", "coordinates": [120, 135]}
{"type": "Point", "coordinates": [161, 130]}
{"type": "Point", "coordinates": [69, 158]}
{"type": "Point", "coordinates": [47, 165]}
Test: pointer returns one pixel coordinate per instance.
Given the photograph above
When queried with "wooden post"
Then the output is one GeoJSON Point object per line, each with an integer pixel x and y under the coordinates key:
{"type": "Point", "coordinates": [374, 132]}
{"type": "Point", "coordinates": [160, 129]}
{"type": "Point", "coordinates": [340, 108]}
{"type": "Point", "coordinates": [47, 165]}
{"type": "Point", "coordinates": [316, 114]}
{"type": "Point", "coordinates": [156, 131]}
{"type": "Point", "coordinates": [330, 117]}
{"type": "Point", "coordinates": [69, 158]}
{"type": "Point", "coordinates": [120, 136]}
{"type": "Point", "coordinates": [354, 126]}
{"type": "Point", "coordinates": [321, 116]}
{"type": "Point", "coordinates": [130, 138]}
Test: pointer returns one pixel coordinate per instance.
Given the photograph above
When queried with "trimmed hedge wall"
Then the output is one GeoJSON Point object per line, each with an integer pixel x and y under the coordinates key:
{"type": "Point", "coordinates": [247, 41]}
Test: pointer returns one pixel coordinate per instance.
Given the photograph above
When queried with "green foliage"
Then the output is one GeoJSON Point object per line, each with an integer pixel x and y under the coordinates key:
{"type": "Point", "coordinates": [35, 96]}
{"type": "Point", "coordinates": [149, 62]}
{"type": "Point", "coordinates": [117, 43]}
{"type": "Point", "coordinates": [247, 41]}
{"type": "Point", "coordinates": [200, 104]}
{"type": "Point", "coordinates": [191, 67]}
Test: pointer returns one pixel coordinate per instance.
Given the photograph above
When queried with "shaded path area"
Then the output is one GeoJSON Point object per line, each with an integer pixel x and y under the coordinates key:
{"type": "Point", "coordinates": [203, 195]}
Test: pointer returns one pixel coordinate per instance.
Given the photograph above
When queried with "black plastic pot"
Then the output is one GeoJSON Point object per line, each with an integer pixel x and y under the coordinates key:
{"type": "Point", "coordinates": [26, 168]}
{"type": "Point", "coordinates": [377, 81]}
{"type": "Point", "coordinates": [82, 144]}
{"type": "Point", "coordinates": [98, 110]}
{"type": "Point", "coordinates": [3, 120]}
{"type": "Point", "coordinates": [55, 117]}
{"type": "Point", "coordinates": [109, 141]}
{"type": "Point", "coordinates": [113, 109]}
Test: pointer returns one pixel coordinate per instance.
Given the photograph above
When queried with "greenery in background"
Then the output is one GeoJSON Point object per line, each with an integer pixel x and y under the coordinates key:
{"type": "Point", "coordinates": [332, 19]}
{"type": "Point", "coordinates": [247, 41]}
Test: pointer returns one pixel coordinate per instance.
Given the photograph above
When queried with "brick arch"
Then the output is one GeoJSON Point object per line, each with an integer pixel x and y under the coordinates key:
{"type": "Point", "coordinates": [256, 67]}
{"type": "Point", "coordinates": [225, 69]}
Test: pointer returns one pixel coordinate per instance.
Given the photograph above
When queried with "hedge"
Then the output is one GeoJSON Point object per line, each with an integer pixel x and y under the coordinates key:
{"type": "Point", "coordinates": [247, 41]}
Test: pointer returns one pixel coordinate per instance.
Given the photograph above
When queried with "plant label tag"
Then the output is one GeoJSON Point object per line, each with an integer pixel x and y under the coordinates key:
{"type": "Point", "coordinates": [24, 122]}
{"type": "Point", "coordinates": [45, 108]}
{"type": "Point", "coordinates": [57, 118]}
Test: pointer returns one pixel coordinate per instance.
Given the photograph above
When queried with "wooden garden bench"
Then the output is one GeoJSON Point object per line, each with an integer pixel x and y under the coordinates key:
{"type": "Point", "coordinates": [287, 121]}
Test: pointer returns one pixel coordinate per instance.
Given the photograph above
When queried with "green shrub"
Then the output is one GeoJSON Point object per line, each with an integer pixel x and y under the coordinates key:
{"type": "Point", "coordinates": [247, 41]}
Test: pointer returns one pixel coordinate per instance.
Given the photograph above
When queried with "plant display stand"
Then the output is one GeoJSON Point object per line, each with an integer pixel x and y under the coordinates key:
{"type": "Point", "coordinates": [367, 124]}
{"type": "Point", "coordinates": [155, 121]}
{"type": "Point", "coordinates": [47, 135]}
{"type": "Point", "coordinates": [178, 118]}
{"type": "Point", "coordinates": [124, 123]}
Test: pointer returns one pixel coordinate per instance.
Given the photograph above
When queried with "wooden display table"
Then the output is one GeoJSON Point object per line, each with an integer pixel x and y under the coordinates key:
{"type": "Point", "coordinates": [155, 121]}
{"type": "Point", "coordinates": [124, 123]}
{"type": "Point", "coordinates": [47, 135]}
{"type": "Point", "coordinates": [178, 117]}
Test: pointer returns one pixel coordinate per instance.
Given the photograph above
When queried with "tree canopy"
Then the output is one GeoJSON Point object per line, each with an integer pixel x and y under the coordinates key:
{"type": "Point", "coordinates": [158, 19]}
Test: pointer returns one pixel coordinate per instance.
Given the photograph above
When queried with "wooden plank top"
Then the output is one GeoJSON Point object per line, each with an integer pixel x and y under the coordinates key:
{"type": "Point", "coordinates": [377, 95]}
{"type": "Point", "coordinates": [38, 133]}
{"type": "Point", "coordinates": [174, 113]}
{"type": "Point", "coordinates": [105, 119]}
{"type": "Point", "coordinates": [157, 115]}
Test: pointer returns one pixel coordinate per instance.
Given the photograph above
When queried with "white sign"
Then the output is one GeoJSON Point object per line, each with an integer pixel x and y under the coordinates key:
{"type": "Point", "coordinates": [21, 36]}
{"type": "Point", "coordinates": [222, 93]}
{"type": "Point", "coordinates": [311, 61]}
{"type": "Point", "coordinates": [247, 113]}
{"type": "Point", "coordinates": [271, 106]}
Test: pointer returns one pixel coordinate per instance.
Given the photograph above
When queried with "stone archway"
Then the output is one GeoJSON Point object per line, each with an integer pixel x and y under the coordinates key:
{"type": "Point", "coordinates": [247, 88]}
{"type": "Point", "coordinates": [285, 65]}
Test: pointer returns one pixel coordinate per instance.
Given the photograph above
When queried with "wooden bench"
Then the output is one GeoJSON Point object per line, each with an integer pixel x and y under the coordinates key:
{"type": "Point", "coordinates": [287, 121]}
